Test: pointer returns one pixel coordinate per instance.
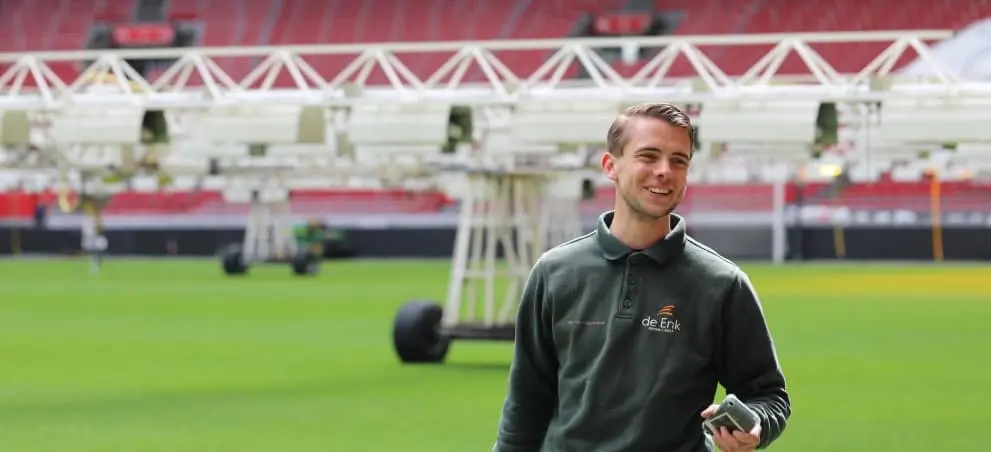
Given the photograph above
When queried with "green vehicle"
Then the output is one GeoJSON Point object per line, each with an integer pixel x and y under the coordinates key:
{"type": "Point", "coordinates": [322, 241]}
{"type": "Point", "coordinates": [310, 236]}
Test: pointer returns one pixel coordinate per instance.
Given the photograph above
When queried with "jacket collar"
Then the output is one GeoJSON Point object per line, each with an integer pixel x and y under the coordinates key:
{"type": "Point", "coordinates": [663, 251]}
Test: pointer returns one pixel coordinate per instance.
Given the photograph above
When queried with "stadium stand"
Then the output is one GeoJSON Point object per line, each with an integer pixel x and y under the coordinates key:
{"type": "Point", "coordinates": [283, 22]}
{"type": "Point", "coordinates": [753, 197]}
{"type": "Point", "coordinates": [40, 25]}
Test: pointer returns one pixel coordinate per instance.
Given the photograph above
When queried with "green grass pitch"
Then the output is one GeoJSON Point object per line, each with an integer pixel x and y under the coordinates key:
{"type": "Point", "coordinates": [172, 356]}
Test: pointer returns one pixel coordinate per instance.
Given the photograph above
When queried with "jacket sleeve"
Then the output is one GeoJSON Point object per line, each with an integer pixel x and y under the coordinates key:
{"type": "Point", "coordinates": [748, 364]}
{"type": "Point", "coordinates": [531, 399]}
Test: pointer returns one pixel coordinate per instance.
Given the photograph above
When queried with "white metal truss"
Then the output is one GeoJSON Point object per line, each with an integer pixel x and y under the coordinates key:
{"type": "Point", "coordinates": [195, 78]}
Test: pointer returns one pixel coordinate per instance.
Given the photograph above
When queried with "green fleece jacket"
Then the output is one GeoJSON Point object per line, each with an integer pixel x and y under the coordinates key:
{"type": "Point", "coordinates": [621, 350]}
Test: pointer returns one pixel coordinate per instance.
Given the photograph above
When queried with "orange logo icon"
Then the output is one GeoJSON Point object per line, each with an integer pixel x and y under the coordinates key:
{"type": "Point", "coordinates": [666, 311]}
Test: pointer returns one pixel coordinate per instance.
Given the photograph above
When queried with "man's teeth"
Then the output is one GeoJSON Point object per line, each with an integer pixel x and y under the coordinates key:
{"type": "Point", "coordinates": [658, 191]}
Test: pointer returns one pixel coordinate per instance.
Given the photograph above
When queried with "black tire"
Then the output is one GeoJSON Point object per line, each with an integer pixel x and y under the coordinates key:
{"type": "Point", "coordinates": [230, 259]}
{"type": "Point", "coordinates": [305, 264]}
{"type": "Point", "coordinates": [416, 335]}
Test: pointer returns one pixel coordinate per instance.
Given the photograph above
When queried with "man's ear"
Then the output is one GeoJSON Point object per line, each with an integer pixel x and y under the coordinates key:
{"type": "Point", "coordinates": [609, 165]}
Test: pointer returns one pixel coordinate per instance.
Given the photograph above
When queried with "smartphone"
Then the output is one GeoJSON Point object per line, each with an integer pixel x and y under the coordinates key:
{"type": "Point", "coordinates": [732, 414]}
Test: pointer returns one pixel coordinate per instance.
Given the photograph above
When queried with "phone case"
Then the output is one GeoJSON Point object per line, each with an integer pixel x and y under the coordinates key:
{"type": "Point", "coordinates": [732, 414]}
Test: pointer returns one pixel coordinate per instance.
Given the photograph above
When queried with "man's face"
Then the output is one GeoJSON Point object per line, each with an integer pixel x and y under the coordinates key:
{"type": "Point", "coordinates": [651, 175]}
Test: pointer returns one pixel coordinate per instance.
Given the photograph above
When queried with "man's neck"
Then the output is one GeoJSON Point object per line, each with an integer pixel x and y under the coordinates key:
{"type": "Point", "coordinates": [637, 232]}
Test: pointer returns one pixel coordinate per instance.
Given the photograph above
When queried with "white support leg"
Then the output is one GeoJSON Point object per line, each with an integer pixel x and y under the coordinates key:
{"type": "Point", "coordinates": [284, 240]}
{"type": "Point", "coordinates": [268, 234]}
{"type": "Point", "coordinates": [509, 213]}
{"type": "Point", "coordinates": [525, 241]}
{"type": "Point", "coordinates": [561, 197]}
{"type": "Point", "coordinates": [486, 225]}
{"type": "Point", "coordinates": [562, 220]}
{"type": "Point", "coordinates": [465, 249]}
{"type": "Point", "coordinates": [253, 234]}
{"type": "Point", "coordinates": [779, 228]}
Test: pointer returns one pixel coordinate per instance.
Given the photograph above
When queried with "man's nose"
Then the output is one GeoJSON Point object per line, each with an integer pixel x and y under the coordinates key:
{"type": "Point", "coordinates": [662, 168]}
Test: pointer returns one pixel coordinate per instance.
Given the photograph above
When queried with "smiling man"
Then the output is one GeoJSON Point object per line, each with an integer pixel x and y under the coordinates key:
{"type": "Point", "coordinates": [623, 334]}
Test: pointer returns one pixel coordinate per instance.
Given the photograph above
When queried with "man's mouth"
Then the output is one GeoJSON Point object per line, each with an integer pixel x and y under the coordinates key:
{"type": "Point", "coordinates": [659, 191]}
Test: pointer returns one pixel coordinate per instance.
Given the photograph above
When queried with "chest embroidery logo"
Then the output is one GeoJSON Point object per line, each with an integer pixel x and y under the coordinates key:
{"type": "Point", "coordinates": [663, 320]}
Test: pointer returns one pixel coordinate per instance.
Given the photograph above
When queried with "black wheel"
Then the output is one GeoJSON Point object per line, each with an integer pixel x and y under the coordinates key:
{"type": "Point", "coordinates": [230, 259]}
{"type": "Point", "coordinates": [415, 333]}
{"type": "Point", "coordinates": [305, 264]}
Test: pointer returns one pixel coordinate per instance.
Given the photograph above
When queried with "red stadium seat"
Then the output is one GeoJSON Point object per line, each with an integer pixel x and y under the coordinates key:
{"type": "Point", "coordinates": [956, 196]}
{"type": "Point", "coordinates": [29, 26]}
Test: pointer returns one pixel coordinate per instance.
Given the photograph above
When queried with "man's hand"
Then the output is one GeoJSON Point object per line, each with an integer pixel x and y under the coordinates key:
{"type": "Point", "coordinates": [736, 441]}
